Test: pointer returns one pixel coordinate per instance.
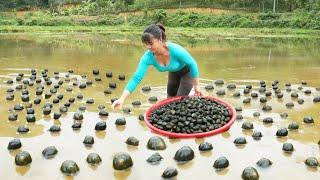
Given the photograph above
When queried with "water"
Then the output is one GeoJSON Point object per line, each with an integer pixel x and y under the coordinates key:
{"type": "Point", "coordinates": [239, 60]}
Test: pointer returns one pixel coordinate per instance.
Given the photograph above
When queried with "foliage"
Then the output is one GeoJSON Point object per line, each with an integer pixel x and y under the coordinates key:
{"type": "Point", "coordinates": [305, 13]}
{"type": "Point", "coordinates": [160, 15]}
{"type": "Point", "coordinates": [104, 6]}
{"type": "Point", "coordinates": [105, 20]}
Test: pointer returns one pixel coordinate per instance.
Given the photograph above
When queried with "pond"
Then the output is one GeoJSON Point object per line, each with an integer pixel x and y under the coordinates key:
{"type": "Point", "coordinates": [240, 61]}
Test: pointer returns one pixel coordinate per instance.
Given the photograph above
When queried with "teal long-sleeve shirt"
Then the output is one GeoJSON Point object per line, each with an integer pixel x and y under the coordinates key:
{"type": "Point", "coordinates": [179, 58]}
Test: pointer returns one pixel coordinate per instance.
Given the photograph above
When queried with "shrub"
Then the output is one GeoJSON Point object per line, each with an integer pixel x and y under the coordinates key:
{"type": "Point", "coordinates": [268, 16]}
{"type": "Point", "coordinates": [109, 20]}
{"type": "Point", "coordinates": [160, 15]}
{"type": "Point", "coordinates": [7, 22]}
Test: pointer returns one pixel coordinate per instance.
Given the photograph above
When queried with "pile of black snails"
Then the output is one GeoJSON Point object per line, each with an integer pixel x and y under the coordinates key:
{"type": "Point", "coordinates": [190, 115]}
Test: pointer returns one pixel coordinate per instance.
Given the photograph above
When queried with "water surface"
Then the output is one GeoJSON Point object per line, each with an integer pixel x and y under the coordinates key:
{"type": "Point", "coordinates": [241, 61]}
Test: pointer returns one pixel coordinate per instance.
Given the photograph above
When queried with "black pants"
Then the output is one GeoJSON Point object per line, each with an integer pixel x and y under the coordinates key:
{"type": "Point", "coordinates": [179, 83]}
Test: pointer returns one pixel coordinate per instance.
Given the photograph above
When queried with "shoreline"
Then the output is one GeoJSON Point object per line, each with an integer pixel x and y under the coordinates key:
{"type": "Point", "coordinates": [188, 32]}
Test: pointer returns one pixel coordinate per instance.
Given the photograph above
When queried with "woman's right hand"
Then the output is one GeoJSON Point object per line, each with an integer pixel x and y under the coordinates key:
{"type": "Point", "coordinates": [197, 91]}
{"type": "Point", "coordinates": [117, 103]}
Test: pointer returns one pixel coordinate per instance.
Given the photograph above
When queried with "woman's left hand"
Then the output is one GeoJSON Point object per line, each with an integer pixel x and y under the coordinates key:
{"type": "Point", "coordinates": [197, 91]}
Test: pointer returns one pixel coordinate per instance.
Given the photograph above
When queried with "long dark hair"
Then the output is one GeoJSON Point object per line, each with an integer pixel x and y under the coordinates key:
{"type": "Point", "coordinates": [153, 31]}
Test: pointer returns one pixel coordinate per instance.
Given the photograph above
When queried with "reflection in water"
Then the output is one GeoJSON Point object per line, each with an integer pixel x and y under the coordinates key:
{"type": "Point", "coordinates": [131, 148]}
{"type": "Point", "coordinates": [122, 174]}
{"type": "Point", "coordinates": [93, 167]}
{"type": "Point", "coordinates": [239, 61]}
{"type": "Point", "coordinates": [22, 170]}
{"type": "Point", "coordinates": [206, 153]}
{"type": "Point", "coordinates": [55, 134]}
{"type": "Point", "coordinates": [173, 140]}
{"type": "Point", "coordinates": [282, 139]}
{"type": "Point", "coordinates": [267, 125]}
{"type": "Point", "coordinates": [199, 140]}
{"type": "Point", "coordinates": [121, 128]}
{"type": "Point", "coordinates": [312, 169]}
{"type": "Point", "coordinates": [13, 153]}
{"type": "Point", "coordinates": [226, 135]}
{"type": "Point", "coordinates": [68, 177]}
{"type": "Point", "coordinates": [222, 172]}
{"type": "Point", "coordinates": [287, 154]}
{"type": "Point", "coordinates": [185, 165]}
{"type": "Point", "coordinates": [247, 132]}
{"type": "Point", "coordinates": [240, 146]}
{"type": "Point", "coordinates": [100, 134]}
{"type": "Point", "coordinates": [88, 146]}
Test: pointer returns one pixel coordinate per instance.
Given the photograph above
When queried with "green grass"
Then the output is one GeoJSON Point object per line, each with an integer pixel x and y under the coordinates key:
{"type": "Point", "coordinates": [188, 32]}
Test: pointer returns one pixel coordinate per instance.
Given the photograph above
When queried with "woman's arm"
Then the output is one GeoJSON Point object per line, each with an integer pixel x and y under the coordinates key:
{"type": "Point", "coordinates": [196, 87]}
{"type": "Point", "coordinates": [184, 56]}
{"type": "Point", "coordinates": [119, 102]}
{"type": "Point", "coordinates": [133, 82]}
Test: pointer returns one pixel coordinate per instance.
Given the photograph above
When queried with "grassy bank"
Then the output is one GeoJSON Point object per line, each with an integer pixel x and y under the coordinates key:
{"type": "Point", "coordinates": [299, 19]}
{"type": "Point", "coordinates": [183, 31]}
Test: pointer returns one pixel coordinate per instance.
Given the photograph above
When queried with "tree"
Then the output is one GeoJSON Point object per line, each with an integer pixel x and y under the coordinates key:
{"type": "Point", "coordinates": [43, 3]}
{"type": "Point", "coordinates": [128, 2]}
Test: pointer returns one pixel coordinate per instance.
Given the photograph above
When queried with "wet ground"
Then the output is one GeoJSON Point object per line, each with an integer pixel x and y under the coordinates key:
{"type": "Point", "coordinates": [240, 61]}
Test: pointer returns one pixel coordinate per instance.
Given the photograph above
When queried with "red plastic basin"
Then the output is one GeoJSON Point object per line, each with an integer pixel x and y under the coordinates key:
{"type": "Point", "coordinates": [183, 135]}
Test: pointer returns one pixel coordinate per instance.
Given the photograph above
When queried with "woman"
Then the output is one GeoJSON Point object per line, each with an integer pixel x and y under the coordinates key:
{"type": "Point", "coordinates": [183, 69]}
